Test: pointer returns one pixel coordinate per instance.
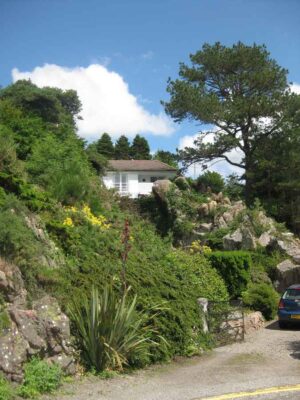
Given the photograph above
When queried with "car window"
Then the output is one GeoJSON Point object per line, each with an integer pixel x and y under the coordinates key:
{"type": "Point", "coordinates": [292, 294]}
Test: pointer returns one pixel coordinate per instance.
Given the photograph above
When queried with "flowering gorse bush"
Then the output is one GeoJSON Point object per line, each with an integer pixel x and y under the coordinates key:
{"type": "Point", "coordinates": [68, 222]}
{"type": "Point", "coordinates": [197, 247]}
{"type": "Point", "coordinates": [85, 212]}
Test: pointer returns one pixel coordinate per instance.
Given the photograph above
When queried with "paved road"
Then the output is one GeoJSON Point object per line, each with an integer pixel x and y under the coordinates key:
{"type": "Point", "coordinates": [268, 358]}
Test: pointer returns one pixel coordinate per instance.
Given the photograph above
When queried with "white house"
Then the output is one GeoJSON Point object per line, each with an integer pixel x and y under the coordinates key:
{"type": "Point", "coordinates": [136, 177]}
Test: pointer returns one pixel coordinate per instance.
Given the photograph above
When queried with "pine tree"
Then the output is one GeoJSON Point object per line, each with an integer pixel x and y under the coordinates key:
{"type": "Point", "coordinates": [166, 157]}
{"type": "Point", "coordinates": [140, 149]}
{"type": "Point", "coordinates": [122, 148]}
{"type": "Point", "coordinates": [105, 146]}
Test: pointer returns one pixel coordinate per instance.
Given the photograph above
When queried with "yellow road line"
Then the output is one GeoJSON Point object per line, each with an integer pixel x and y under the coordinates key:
{"type": "Point", "coordinates": [238, 395]}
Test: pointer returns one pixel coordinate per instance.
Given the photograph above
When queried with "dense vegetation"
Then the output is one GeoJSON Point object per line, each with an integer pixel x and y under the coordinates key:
{"type": "Point", "coordinates": [129, 273]}
{"type": "Point", "coordinates": [245, 96]}
{"type": "Point", "coordinates": [48, 181]}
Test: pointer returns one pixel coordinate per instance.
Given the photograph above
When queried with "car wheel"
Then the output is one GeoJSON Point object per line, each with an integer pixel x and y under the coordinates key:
{"type": "Point", "coordinates": [282, 324]}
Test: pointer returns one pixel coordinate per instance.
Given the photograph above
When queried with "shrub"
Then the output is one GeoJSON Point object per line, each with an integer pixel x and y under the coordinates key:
{"type": "Point", "coordinates": [262, 297]}
{"type": "Point", "coordinates": [212, 180]}
{"type": "Point", "coordinates": [40, 377]}
{"type": "Point", "coordinates": [110, 329]}
{"type": "Point", "coordinates": [6, 391]}
{"type": "Point", "coordinates": [214, 239]}
{"type": "Point", "coordinates": [234, 267]}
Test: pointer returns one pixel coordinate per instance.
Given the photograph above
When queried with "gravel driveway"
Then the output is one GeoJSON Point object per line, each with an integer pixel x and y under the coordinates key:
{"type": "Point", "coordinates": [269, 357]}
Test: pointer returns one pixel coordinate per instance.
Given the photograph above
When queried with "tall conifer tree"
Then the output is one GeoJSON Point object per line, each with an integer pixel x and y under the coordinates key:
{"type": "Point", "coordinates": [140, 149]}
{"type": "Point", "coordinates": [122, 148]}
{"type": "Point", "coordinates": [105, 146]}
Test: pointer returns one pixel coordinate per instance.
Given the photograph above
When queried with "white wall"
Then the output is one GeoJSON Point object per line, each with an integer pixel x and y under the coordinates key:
{"type": "Point", "coordinates": [138, 182]}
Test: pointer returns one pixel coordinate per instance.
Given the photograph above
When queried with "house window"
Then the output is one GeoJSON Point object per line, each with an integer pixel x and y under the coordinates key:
{"type": "Point", "coordinates": [156, 178]}
{"type": "Point", "coordinates": [121, 182]}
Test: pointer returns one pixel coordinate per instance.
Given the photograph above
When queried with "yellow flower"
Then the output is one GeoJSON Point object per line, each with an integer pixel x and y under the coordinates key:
{"type": "Point", "coordinates": [196, 247]}
{"type": "Point", "coordinates": [68, 222]}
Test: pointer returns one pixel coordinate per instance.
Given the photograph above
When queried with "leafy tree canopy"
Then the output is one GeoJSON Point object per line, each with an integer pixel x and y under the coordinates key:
{"type": "Point", "coordinates": [51, 104]}
{"type": "Point", "coordinates": [212, 180]}
{"type": "Point", "coordinates": [240, 91]}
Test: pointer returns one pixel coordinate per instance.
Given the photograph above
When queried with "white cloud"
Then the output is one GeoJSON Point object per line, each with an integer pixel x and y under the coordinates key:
{"type": "Point", "coordinates": [107, 104]}
{"type": "Point", "coordinates": [221, 166]}
{"type": "Point", "coordinates": [295, 87]}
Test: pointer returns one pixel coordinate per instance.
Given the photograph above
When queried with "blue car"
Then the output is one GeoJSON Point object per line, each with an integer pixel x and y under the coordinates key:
{"type": "Point", "coordinates": [289, 307]}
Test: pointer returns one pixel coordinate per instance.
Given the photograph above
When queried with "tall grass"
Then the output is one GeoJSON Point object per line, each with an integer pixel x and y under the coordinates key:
{"type": "Point", "coordinates": [110, 330]}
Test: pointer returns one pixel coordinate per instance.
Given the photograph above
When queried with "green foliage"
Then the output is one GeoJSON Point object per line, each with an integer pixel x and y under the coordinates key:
{"type": "Point", "coordinates": [140, 149]}
{"type": "Point", "coordinates": [212, 180]}
{"type": "Point", "coordinates": [34, 198]}
{"type": "Point", "coordinates": [16, 239]}
{"type": "Point", "coordinates": [50, 104]}
{"type": "Point", "coordinates": [214, 239]}
{"type": "Point", "coordinates": [110, 330]}
{"type": "Point", "coordinates": [182, 183]}
{"type": "Point", "coordinates": [234, 267]}
{"type": "Point", "coordinates": [277, 162]}
{"type": "Point", "coordinates": [266, 262]}
{"type": "Point", "coordinates": [166, 157]}
{"type": "Point", "coordinates": [9, 162]}
{"type": "Point", "coordinates": [262, 297]}
{"type": "Point", "coordinates": [5, 321]}
{"type": "Point", "coordinates": [234, 189]}
{"type": "Point", "coordinates": [40, 377]}
{"type": "Point", "coordinates": [233, 85]}
{"type": "Point", "coordinates": [62, 168]}
{"type": "Point", "coordinates": [105, 146]}
{"type": "Point", "coordinates": [6, 390]}
{"type": "Point", "coordinates": [122, 148]}
{"type": "Point", "coordinates": [97, 160]}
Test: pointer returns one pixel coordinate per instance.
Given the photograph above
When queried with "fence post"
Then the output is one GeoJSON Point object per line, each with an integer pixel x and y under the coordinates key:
{"type": "Point", "coordinates": [203, 305]}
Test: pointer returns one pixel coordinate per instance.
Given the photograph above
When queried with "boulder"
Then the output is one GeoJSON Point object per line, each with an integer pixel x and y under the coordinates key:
{"type": "Point", "coordinates": [287, 274]}
{"type": "Point", "coordinates": [161, 187]}
{"type": "Point", "coordinates": [42, 330]}
{"type": "Point", "coordinates": [203, 210]}
{"type": "Point", "coordinates": [265, 221]}
{"type": "Point", "coordinates": [14, 350]}
{"type": "Point", "coordinates": [212, 206]}
{"type": "Point", "coordinates": [248, 239]}
{"type": "Point", "coordinates": [253, 321]}
{"type": "Point", "coordinates": [233, 241]}
{"type": "Point", "coordinates": [232, 211]}
{"type": "Point", "coordinates": [52, 256]}
{"type": "Point", "coordinates": [182, 183]}
{"type": "Point", "coordinates": [265, 239]}
{"type": "Point", "coordinates": [220, 223]}
{"type": "Point", "coordinates": [241, 239]}
{"type": "Point", "coordinates": [287, 244]}
{"type": "Point", "coordinates": [11, 283]}
{"type": "Point", "coordinates": [226, 200]}
{"type": "Point", "coordinates": [205, 227]}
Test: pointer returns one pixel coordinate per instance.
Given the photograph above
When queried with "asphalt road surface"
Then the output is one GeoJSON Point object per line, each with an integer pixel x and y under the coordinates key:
{"type": "Point", "coordinates": [268, 359]}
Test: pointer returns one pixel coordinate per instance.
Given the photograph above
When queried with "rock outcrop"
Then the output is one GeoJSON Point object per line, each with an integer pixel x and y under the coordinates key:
{"type": "Point", "coordinates": [287, 274]}
{"type": "Point", "coordinates": [41, 330]}
{"type": "Point", "coordinates": [161, 187]}
{"type": "Point", "coordinates": [52, 256]}
{"type": "Point", "coordinates": [254, 321]}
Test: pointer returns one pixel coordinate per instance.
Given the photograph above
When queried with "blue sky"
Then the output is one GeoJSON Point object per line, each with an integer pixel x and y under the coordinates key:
{"type": "Point", "coordinates": [134, 46]}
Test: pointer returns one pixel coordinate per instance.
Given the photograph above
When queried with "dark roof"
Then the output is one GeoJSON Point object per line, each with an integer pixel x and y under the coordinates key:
{"type": "Point", "coordinates": [139, 165]}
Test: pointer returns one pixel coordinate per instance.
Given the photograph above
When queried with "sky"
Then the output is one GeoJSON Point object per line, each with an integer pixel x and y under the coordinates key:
{"type": "Point", "coordinates": [119, 54]}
